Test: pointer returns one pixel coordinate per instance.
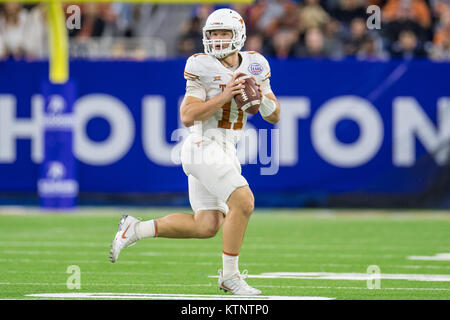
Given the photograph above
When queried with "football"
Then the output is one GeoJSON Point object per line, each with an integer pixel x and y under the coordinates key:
{"type": "Point", "coordinates": [250, 99]}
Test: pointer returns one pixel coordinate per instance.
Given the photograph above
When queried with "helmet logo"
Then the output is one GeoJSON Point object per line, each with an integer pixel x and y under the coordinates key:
{"type": "Point", "coordinates": [239, 19]}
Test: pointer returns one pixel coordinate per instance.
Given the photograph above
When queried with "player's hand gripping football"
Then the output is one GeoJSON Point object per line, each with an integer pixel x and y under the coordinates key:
{"type": "Point", "coordinates": [258, 85]}
{"type": "Point", "coordinates": [233, 88]}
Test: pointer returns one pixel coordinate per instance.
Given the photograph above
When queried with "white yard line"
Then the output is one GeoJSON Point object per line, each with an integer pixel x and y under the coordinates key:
{"type": "Point", "coordinates": [169, 296]}
{"type": "Point", "coordinates": [436, 257]}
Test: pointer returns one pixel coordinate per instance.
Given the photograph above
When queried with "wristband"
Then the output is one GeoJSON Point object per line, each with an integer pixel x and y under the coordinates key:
{"type": "Point", "coordinates": [267, 106]}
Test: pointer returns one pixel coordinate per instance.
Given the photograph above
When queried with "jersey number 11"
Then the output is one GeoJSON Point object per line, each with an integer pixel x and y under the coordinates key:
{"type": "Point", "coordinates": [226, 111]}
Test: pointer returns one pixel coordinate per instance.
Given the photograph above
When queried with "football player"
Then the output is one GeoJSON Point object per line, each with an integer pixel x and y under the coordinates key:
{"type": "Point", "coordinates": [218, 193]}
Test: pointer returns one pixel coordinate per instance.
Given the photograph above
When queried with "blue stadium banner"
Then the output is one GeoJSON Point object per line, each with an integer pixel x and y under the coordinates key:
{"type": "Point", "coordinates": [347, 127]}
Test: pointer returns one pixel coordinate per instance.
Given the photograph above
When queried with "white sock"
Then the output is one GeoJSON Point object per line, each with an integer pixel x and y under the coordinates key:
{"type": "Point", "coordinates": [230, 265]}
{"type": "Point", "coordinates": [146, 229]}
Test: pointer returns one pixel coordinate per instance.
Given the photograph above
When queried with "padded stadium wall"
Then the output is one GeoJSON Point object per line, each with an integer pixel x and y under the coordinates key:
{"type": "Point", "coordinates": [352, 134]}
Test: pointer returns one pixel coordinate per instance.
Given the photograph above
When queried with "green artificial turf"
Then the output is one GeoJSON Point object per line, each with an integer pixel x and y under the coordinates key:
{"type": "Point", "coordinates": [310, 247]}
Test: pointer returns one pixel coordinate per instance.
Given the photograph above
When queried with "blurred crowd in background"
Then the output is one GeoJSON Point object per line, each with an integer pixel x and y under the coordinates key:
{"type": "Point", "coordinates": [283, 29]}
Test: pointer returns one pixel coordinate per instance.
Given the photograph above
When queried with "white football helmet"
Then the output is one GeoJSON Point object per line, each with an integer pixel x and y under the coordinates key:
{"type": "Point", "coordinates": [224, 19]}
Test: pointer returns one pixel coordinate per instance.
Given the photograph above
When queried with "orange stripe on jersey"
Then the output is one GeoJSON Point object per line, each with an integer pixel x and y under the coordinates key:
{"type": "Point", "coordinates": [191, 77]}
{"type": "Point", "coordinates": [190, 74]}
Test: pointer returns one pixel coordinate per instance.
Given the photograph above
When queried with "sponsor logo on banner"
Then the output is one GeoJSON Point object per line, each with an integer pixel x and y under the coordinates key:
{"type": "Point", "coordinates": [55, 117]}
{"type": "Point", "coordinates": [55, 184]}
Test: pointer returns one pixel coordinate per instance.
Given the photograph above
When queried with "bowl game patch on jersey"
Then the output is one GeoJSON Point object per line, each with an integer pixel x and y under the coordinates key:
{"type": "Point", "coordinates": [255, 68]}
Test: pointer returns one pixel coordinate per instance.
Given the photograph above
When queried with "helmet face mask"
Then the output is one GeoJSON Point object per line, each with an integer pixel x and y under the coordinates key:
{"type": "Point", "coordinates": [224, 19]}
{"type": "Point", "coordinates": [219, 47]}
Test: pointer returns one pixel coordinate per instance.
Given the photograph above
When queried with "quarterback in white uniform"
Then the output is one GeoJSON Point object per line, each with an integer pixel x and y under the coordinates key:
{"type": "Point", "coordinates": [218, 193]}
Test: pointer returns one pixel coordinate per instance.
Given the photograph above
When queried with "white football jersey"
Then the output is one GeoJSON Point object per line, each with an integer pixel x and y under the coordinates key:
{"type": "Point", "coordinates": [207, 77]}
